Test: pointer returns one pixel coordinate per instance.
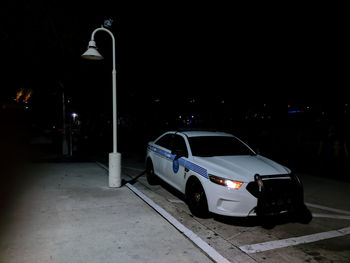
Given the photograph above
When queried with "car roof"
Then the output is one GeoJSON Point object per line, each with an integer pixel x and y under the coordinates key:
{"type": "Point", "coordinates": [204, 133]}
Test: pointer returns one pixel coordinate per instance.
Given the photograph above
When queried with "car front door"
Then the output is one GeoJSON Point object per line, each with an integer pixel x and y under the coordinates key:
{"type": "Point", "coordinates": [175, 165]}
{"type": "Point", "coordinates": [161, 155]}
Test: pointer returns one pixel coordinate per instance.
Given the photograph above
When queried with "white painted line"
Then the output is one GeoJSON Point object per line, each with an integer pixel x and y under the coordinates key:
{"type": "Point", "coordinates": [102, 165]}
{"type": "Point", "coordinates": [260, 247]}
{"type": "Point", "coordinates": [331, 216]}
{"type": "Point", "coordinates": [328, 208]}
{"type": "Point", "coordinates": [176, 201]}
{"type": "Point", "coordinates": [211, 252]}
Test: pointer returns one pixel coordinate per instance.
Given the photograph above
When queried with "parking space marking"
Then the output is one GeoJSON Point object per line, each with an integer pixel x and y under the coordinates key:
{"type": "Point", "coordinates": [328, 208]}
{"type": "Point", "coordinates": [265, 246]}
{"type": "Point", "coordinates": [176, 201]}
{"type": "Point", "coordinates": [331, 216]}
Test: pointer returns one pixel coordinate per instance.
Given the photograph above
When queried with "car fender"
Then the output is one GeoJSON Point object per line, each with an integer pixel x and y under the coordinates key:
{"type": "Point", "coordinates": [200, 178]}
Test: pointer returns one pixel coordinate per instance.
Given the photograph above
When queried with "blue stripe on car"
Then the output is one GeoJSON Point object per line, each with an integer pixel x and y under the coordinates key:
{"type": "Point", "coordinates": [187, 164]}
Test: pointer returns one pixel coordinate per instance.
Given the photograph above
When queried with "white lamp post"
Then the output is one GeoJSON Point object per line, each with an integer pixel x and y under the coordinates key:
{"type": "Point", "coordinates": [114, 157]}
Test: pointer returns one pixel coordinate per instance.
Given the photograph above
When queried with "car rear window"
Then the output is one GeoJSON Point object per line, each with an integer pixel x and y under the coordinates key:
{"type": "Point", "coordinates": [206, 146]}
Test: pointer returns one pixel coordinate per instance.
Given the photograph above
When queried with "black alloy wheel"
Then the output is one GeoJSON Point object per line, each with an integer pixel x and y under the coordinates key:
{"type": "Point", "coordinates": [196, 199]}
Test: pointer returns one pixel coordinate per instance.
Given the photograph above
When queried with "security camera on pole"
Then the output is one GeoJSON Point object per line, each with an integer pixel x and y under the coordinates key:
{"type": "Point", "coordinates": [114, 157]}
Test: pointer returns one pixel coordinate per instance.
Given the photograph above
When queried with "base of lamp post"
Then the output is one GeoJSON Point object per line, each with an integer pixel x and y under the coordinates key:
{"type": "Point", "coordinates": [114, 178]}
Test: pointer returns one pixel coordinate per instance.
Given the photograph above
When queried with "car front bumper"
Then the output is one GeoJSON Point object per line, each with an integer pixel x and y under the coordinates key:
{"type": "Point", "coordinates": [229, 202]}
{"type": "Point", "coordinates": [275, 196]}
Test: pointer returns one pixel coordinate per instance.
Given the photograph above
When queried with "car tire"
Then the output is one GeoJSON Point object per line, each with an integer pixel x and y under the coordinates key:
{"type": "Point", "coordinates": [303, 214]}
{"type": "Point", "coordinates": [196, 198]}
{"type": "Point", "coordinates": [152, 178]}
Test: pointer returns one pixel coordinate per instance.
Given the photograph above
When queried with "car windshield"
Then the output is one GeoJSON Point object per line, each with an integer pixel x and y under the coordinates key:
{"type": "Point", "coordinates": [206, 146]}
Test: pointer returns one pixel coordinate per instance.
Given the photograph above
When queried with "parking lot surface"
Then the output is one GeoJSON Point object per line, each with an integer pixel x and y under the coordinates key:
{"type": "Point", "coordinates": [325, 239]}
{"type": "Point", "coordinates": [65, 212]}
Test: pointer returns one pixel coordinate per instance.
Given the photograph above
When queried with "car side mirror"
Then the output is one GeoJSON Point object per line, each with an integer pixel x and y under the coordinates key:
{"type": "Point", "coordinates": [178, 154]}
{"type": "Point", "coordinates": [257, 151]}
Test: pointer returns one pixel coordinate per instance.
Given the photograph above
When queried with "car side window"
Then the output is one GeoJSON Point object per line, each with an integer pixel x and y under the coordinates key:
{"type": "Point", "coordinates": [165, 141]}
{"type": "Point", "coordinates": [179, 145]}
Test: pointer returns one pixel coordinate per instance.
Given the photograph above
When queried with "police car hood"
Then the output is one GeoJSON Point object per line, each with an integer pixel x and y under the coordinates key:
{"type": "Point", "coordinates": [241, 168]}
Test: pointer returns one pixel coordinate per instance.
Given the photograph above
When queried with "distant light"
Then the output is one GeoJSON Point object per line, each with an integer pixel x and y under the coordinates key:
{"type": "Point", "coordinates": [295, 111]}
{"type": "Point", "coordinates": [27, 96]}
{"type": "Point", "coordinates": [19, 94]}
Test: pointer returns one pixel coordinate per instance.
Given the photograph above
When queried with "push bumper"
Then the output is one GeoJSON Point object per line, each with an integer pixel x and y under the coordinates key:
{"type": "Point", "coordinates": [276, 194]}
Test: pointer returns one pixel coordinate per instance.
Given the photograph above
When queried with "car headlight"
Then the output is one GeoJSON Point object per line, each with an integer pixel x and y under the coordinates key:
{"type": "Point", "coordinates": [232, 184]}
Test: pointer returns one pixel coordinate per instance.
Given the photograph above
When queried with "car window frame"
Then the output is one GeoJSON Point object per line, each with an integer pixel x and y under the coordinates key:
{"type": "Point", "coordinates": [161, 138]}
{"type": "Point", "coordinates": [171, 146]}
{"type": "Point", "coordinates": [186, 154]}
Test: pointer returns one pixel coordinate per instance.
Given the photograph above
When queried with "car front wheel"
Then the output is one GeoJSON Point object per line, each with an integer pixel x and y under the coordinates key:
{"type": "Point", "coordinates": [196, 198]}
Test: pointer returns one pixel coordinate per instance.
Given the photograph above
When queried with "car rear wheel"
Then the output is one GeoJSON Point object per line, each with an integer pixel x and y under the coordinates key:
{"type": "Point", "coordinates": [196, 198]}
{"type": "Point", "coordinates": [152, 178]}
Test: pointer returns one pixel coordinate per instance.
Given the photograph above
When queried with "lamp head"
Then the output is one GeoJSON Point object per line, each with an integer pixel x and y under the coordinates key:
{"type": "Point", "coordinates": [92, 53]}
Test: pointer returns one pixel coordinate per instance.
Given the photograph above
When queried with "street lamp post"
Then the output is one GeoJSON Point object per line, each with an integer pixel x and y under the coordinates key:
{"type": "Point", "coordinates": [114, 157]}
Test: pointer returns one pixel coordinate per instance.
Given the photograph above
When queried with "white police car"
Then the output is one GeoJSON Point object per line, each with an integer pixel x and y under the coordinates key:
{"type": "Point", "coordinates": [219, 173]}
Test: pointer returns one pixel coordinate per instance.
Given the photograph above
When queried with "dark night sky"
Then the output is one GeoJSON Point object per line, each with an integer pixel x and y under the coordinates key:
{"type": "Point", "coordinates": [241, 53]}
{"type": "Point", "coordinates": [170, 55]}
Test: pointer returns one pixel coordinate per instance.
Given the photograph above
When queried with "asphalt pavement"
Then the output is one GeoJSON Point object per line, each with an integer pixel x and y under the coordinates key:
{"type": "Point", "coordinates": [65, 212]}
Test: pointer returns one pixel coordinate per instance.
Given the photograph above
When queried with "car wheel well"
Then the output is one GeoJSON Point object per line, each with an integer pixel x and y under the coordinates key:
{"type": "Point", "coordinates": [148, 160]}
{"type": "Point", "coordinates": [152, 178]}
{"type": "Point", "coordinates": [196, 198]}
{"type": "Point", "coordinates": [189, 181]}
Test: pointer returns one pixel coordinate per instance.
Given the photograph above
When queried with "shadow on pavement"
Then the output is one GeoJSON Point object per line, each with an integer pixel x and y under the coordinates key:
{"type": "Point", "coordinates": [267, 222]}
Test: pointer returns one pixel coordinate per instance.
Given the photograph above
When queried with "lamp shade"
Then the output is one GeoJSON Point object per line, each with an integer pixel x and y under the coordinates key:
{"type": "Point", "coordinates": [92, 53]}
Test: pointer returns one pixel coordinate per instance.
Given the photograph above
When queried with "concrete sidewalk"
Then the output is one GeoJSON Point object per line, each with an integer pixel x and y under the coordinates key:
{"type": "Point", "coordinates": [64, 212]}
